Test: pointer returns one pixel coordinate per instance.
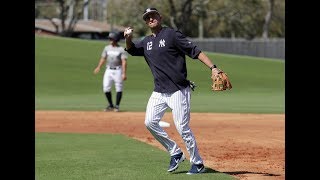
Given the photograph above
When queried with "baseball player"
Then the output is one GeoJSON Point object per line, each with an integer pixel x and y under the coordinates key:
{"type": "Point", "coordinates": [164, 51]}
{"type": "Point", "coordinates": [115, 72]}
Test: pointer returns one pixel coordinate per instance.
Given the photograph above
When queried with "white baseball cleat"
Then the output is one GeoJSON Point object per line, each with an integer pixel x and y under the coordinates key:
{"type": "Point", "coordinates": [116, 109]}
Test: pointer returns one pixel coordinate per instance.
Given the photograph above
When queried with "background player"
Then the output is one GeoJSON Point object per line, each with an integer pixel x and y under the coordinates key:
{"type": "Point", "coordinates": [164, 51]}
{"type": "Point", "coordinates": [115, 72]}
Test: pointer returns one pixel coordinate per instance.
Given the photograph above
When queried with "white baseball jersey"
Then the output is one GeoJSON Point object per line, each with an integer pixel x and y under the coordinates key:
{"type": "Point", "coordinates": [113, 67]}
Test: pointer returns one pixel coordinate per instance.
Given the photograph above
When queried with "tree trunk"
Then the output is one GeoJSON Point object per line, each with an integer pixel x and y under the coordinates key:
{"type": "Point", "coordinates": [85, 10]}
{"type": "Point", "coordinates": [268, 20]}
{"type": "Point", "coordinates": [172, 15]}
{"type": "Point", "coordinates": [200, 27]}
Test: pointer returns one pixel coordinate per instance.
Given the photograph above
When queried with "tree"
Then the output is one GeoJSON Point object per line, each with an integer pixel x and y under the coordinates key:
{"type": "Point", "coordinates": [201, 18]}
{"type": "Point", "coordinates": [201, 10]}
{"type": "Point", "coordinates": [69, 13]}
{"type": "Point", "coordinates": [180, 18]}
{"type": "Point", "coordinates": [268, 19]}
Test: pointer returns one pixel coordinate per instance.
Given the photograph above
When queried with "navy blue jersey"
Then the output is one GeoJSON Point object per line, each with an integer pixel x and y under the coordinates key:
{"type": "Point", "coordinates": [165, 55]}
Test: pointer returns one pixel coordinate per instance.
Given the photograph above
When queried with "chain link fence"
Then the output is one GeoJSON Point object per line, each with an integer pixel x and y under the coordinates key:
{"type": "Point", "coordinates": [270, 48]}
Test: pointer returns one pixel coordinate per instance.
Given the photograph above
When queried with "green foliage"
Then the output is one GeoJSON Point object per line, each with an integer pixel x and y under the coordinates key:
{"type": "Point", "coordinates": [222, 18]}
{"type": "Point", "coordinates": [102, 156]}
{"type": "Point", "coordinates": [64, 80]}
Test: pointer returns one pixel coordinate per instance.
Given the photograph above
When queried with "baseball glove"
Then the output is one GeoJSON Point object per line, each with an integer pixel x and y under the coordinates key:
{"type": "Point", "coordinates": [220, 80]}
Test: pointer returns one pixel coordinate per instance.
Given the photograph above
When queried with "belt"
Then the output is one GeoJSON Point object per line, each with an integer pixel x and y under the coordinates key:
{"type": "Point", "coordinates": [114, 68]}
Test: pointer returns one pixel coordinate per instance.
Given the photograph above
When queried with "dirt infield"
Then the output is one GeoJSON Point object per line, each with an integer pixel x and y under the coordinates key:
{"type": "Point", "coordinates": [246, 146]}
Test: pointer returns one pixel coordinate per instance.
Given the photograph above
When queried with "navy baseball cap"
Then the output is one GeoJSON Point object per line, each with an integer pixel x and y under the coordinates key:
{"type": "Point", "coordinates": [114, 36]}
{"type": "Point", "coordinates": [148, 11]}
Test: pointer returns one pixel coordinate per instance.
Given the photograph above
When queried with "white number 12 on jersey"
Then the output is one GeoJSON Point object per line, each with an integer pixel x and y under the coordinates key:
{"type": "Point", "coordinates": [149, 45]}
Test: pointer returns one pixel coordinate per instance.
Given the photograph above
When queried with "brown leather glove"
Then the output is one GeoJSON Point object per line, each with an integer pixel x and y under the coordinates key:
{"type": "Point", "coordinates": [220, 80]}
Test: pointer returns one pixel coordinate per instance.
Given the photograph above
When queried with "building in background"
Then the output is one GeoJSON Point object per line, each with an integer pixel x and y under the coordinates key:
{"type": "Point", "coordinates": [84, 29]}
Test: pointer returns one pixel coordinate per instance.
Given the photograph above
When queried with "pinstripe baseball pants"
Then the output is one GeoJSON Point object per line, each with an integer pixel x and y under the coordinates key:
{"type": "Point", "coordinates": [179, 102]}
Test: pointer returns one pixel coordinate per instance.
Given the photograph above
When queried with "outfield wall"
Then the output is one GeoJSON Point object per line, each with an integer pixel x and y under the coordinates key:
{"type": "Point", "coordinates": [272, 48]}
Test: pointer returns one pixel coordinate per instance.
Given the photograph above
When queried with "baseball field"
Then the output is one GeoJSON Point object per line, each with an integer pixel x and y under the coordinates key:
{"type": "Point", "coordinates": [240, 133]}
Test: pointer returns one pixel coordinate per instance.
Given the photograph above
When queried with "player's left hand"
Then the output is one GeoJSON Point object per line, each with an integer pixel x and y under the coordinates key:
{"type": "Point", "coordinates": [96, 70]}
{"type": "Point", "coordinates": [220, 80]}
{"type": "Point", "coordinates": [124, 77]}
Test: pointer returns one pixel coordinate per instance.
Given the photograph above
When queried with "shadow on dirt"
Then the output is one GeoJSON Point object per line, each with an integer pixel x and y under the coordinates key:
{"type": "Point", "coordinates": [247, 172]}
{"type": "Point", "coordinates": [208, 170]}
{"type": "Point", "coordinates": [232, 173]}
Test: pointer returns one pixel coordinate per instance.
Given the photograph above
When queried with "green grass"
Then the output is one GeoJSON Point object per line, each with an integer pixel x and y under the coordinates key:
{"type": "Point", "coordinates": [101, 156]}
{"type": "Point", "coordinates": [64, 80]}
